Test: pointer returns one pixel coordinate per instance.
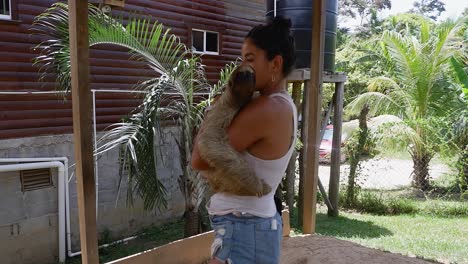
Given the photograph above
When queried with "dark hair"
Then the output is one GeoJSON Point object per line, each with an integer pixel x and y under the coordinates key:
{"type": "Point", "coordinates": [275, 38]}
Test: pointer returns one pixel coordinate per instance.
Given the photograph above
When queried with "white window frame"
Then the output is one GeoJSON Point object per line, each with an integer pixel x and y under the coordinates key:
{"type": "Point", "coordinates": [6, 17]}
{"type": "Point", "coordinates": [204, 42]}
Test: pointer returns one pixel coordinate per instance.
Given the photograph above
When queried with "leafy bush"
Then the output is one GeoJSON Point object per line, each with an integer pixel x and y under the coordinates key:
{"type": "Point", "coordinates": [370, 202]}
{"type": "Point", "coordinates": [444, 208]}
{"type": "Point", "coordinates": [401, 206]}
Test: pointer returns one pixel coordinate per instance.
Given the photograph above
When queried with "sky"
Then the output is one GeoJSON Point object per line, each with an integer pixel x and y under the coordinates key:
{"type": "Point", "coordinates": [453, 8]}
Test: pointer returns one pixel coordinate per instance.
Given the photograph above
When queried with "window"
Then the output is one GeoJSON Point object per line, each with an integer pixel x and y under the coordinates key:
{"type": "Point", "coordinates": [206, 42]}
{"type": "Point", "coordinates": [5, 10]}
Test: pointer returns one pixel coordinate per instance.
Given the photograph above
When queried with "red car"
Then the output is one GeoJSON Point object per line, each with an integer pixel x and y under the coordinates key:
{"type": "Point", "coordinates": [326, 146]}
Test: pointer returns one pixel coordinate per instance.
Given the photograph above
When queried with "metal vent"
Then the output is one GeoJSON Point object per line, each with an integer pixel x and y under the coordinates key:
{"type": "Point", "coordinates": [35, 179]}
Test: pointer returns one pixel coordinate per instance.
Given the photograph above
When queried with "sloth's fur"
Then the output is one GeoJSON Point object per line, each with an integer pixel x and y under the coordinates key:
{"type": "Point", "coordinates": [230, 173]}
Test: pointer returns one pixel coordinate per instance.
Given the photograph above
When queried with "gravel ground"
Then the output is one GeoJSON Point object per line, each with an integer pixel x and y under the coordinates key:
{"type": "Point", "coordinates": [311, 249]}
{"type": "Point", "coordinates": [383, 173]}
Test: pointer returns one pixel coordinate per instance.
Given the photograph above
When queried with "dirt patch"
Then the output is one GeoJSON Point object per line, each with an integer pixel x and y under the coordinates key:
{"type": "Point", "coordinates": [326, 250]}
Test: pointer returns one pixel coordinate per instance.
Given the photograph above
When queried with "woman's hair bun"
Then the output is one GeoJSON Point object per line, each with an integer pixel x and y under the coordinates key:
{"type": "Point", "coordinates": [281, 23]}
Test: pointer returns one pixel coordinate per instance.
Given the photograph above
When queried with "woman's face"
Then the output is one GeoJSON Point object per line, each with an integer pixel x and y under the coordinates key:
{"type": "Point", "coordinates": [257, 59]}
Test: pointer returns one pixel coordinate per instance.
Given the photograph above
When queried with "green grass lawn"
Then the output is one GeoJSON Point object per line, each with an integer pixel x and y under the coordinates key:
{"type": "Point", "coordinates": [436, 238]}
{"type": "Point", "coordinates": [433, 237]}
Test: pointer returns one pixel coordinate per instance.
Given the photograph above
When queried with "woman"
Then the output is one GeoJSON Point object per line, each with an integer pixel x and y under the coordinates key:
{"type": "Point", "coordinates": [249, 229]}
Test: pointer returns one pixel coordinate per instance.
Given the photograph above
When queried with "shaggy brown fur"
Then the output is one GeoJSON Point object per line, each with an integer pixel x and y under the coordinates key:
{"type": "Point", "coordinates": [230, 173]}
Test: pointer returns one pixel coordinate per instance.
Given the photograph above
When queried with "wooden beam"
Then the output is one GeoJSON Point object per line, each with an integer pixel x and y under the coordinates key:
{"type": "Point", "coordinates": [119, 3]}
{"type": "Point", "coordinates": [327, 77]}
{"type": "Point", "coordinates": [312, 118]}
{"type": "Point", "coordinates": [291, 170]}
{"type": "Point", "coordinates": [192, 250]}
{"type": "Point", "coordinates": [195, 249]}
{"type": "Point", "coordinates": [334, 185]}
{"type": "Point", "coordinates": [82, 129]}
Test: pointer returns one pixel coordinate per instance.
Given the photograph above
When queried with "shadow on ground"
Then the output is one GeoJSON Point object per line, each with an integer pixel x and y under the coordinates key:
{"type": "Point", "coordinates": [345, 227]}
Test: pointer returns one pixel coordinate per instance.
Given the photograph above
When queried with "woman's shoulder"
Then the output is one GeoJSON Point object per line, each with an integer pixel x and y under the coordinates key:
{"type": "Point", "coordinates": [263, 106]}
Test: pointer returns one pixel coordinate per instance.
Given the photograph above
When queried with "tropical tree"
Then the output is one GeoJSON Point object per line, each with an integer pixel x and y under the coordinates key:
{"type": "Point", "coordinates": [418, 88]}
{"type": "Point", "coordinates": [460, 125]}
{"type": "Point", "coordinates": [173, 92]}
{"type": "Point", "coordinates": [362, 9]}
{"type": "Point", "coordinates": [429, 8]}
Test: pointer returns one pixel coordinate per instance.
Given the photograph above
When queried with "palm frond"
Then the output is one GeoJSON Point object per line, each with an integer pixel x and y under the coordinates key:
{"type": "Point", "coordinates": [398, 47]}
{"type": "Point", "coordinates": [378, 103]}
{"type": "Point", "coordinates": [159, 49]}
{"type": "Point", "coordinates": [398, 135]}
{"type": "Point", "coordinates": [135, 140]}
{"type": "Point", "coordinates": [460, 73]}
{"type": "Point", "coordinates": [382, 84]}
{"type": "Point", "coordinates": [224, 78]}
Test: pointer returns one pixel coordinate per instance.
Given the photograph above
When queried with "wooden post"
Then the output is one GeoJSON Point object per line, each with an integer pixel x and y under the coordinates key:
{"type": "Point", "coordinates": [334, 185]}
{"type": "Point", "coordinates": [291, 170]}
{"type": "Point", "coordinates": [312, 118]}
{"type": "Point", "coordinates": [82, 129]}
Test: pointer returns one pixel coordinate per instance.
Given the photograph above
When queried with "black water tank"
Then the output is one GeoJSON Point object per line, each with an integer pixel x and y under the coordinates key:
{"type": "Point", "coordinates": [300, 13]}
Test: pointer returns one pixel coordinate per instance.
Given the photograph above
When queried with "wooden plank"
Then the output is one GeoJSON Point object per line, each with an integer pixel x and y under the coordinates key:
{"type": "Point", "coordinates": [322, 133]}
{"type": "Point", "coordinates": [82, 129]}
{"type": "Point", "coordinates": [334, 77]}
{"type": "Point", "coordinates": [303, 109]}
{"type": "Point", "coordinates": [327, 77]}
{"type": "Point", "coordinates": [194, 249]}
{"type": "Point", "coordinates": [291, 169]}
{"type": "Point", "coordinates": [333, 189]}
{"type": "Point", "coordinates": [312, 118]}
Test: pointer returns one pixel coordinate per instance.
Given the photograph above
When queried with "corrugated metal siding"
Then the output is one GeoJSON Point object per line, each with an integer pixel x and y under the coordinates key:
{"type": "Point", "coordinates": [31, 115]}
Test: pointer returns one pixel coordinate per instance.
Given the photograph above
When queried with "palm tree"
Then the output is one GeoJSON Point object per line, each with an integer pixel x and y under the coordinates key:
{"type": "Point", "coordinates": [418, 88]}
{"type": "Point", "coordinates": [174, 93]}
{"type": "Point", "coordinates": [460, 125]}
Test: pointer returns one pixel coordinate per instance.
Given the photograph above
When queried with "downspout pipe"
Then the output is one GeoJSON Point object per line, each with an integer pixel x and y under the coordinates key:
{"type": "Point", "coordinates": [61, 193]}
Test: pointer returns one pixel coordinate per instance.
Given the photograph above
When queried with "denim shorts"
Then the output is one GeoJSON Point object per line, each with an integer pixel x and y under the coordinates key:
{"type": "Point", "coordinates": [247, 239]}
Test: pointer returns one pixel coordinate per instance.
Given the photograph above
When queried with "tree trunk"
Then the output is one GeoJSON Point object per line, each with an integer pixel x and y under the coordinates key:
{"type": "Point", "coordinates": [350, 189]}
{"type": "Point", "coordinates": [192, 223]}
{"type": "Point", "coordinates": [463, 170]}
{"type": "Point", "coordinates": [355, 152]}
{"type": "Point", "coordinates": [421, 170]}
{"type": "Point", "coordinates": [363, 130]}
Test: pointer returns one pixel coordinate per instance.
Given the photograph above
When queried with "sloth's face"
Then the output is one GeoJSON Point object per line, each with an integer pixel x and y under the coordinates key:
{"type": "Point", "coordinates": [242, 83]}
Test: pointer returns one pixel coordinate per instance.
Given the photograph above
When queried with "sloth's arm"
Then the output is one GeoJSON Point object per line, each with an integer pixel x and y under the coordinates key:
{"type": "Point", "coordinates": [196, 161]}
{"type": "Point", "coordinates": [249, 126]}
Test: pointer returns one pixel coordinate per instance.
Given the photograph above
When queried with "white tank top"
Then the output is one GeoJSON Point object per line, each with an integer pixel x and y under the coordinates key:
{"type": "Point", "coordinates": [271, 171]}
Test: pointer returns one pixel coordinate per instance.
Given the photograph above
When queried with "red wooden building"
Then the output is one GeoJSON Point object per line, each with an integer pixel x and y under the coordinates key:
{"type": "Point", "coordinates": [213, 27]}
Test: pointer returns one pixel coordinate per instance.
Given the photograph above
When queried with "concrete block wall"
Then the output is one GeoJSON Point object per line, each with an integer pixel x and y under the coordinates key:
{"type": "Point", "coordinates": [28, 221]}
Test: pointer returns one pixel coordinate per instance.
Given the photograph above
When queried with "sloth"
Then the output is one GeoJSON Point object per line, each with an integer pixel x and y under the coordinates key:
{"type": "Point", "coordinates": [229, 172]}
